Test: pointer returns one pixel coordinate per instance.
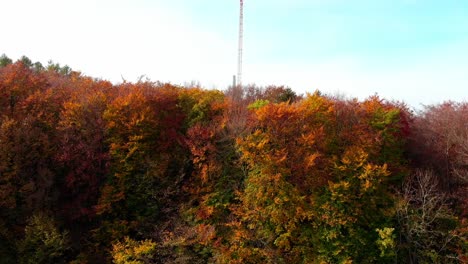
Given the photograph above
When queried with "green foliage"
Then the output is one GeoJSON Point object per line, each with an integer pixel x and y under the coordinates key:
{"type": "Point", "coordinates": [258, 104]}
{"type": "Point", "coordinates": [386, 241]}
{"type": "Point", "coordinates": [200, 106]}
{"type": "Point", "coordinates": [288, 95]}
{"type": "Point", "coordinates": [352, 204]}
{"type": "Point", "coordinates": [38, 66]}
{"type": "Point", "coordinates": [43, 242]}
{"type": "Point", "coordinates": [26, 61]}
{"type": "Point", "coordinates": [55, 67]}
{"type": "Point", "coordinates": [4, 60]}
{"type": "Point", "coordinates": [387, 124]}
{"type": "Point", "coordinates": [129, 192]}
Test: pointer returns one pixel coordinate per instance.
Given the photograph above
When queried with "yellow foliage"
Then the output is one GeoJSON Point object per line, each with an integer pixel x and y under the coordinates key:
{"type": "Point", "coordinates": [131, 251]}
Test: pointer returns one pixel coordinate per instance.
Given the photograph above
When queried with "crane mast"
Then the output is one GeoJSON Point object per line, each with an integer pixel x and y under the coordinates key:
{"type": "Point", "coordinates": [241, 37]}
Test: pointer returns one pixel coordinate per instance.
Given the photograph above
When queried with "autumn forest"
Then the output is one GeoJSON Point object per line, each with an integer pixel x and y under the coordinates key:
{"type": "Point", "coordinates": [149, 172]}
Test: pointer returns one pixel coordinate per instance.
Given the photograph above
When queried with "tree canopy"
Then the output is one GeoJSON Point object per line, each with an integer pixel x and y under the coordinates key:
{"type": "Point", "coordinates": [147, 172]}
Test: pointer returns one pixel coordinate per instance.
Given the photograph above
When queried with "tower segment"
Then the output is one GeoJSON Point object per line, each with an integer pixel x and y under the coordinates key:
{"type": "Point", "coordinates": [241, 38]}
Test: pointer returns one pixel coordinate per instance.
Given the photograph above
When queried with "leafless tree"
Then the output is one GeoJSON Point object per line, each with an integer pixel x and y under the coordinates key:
{"type": "Point", "coordinates": [427, 225]}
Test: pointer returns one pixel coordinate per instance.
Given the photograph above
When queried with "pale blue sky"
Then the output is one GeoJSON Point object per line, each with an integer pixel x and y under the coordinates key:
{"type": "Point", "coordinates": [411, 50]}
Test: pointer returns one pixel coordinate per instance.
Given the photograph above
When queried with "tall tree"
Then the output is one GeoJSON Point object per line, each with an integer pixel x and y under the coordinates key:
{"type": "Point", "coordinates": [4, 60]}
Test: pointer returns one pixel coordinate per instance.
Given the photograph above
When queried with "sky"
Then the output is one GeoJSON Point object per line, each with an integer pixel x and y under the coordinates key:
{"type": "Point", "coordinates": [414, 51]}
